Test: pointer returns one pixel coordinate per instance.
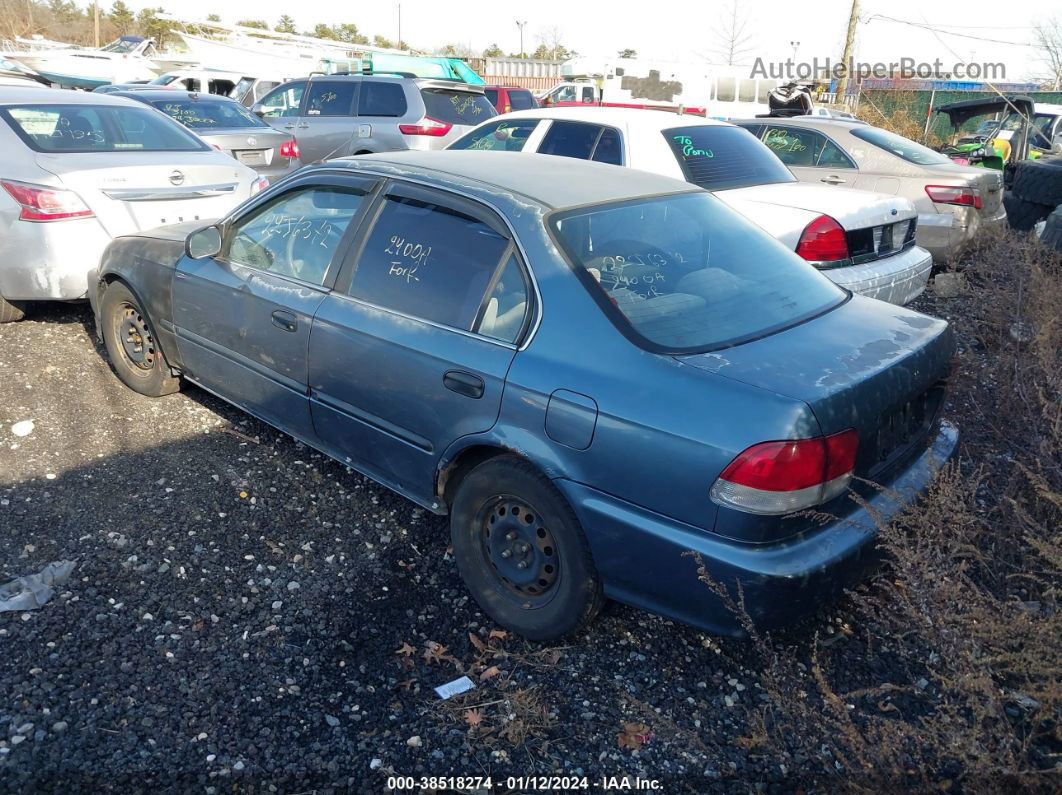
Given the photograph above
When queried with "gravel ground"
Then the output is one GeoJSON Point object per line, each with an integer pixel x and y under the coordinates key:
{"type": "Point", "coordinates": [247, 613]}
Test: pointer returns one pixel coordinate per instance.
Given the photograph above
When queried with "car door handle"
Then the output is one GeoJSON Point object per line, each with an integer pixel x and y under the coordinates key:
{"type": "Point", "coordinates": [289, 126]}
{"type": "Point", "coordinates": [304, 126]}
{"type": "Point", "coordinates": [467, 384]}
{"type": "Point", "coordinates": [285, 320]}
{"type": "Point", "coordinates": [832, 180]}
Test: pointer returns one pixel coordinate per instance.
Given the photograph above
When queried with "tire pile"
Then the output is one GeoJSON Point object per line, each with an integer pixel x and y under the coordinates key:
{"type": "Point", "coordinates": [1035, 196]}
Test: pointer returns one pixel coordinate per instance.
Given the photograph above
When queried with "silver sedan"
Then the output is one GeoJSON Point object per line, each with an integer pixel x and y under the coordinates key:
{"type": "Point", "coordinates": [81, 169]}
{"type": "Point", "coordinates": [228, 126]}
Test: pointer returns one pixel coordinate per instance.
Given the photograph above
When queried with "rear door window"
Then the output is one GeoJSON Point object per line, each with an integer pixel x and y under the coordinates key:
{"type": "Point", "coordinates": [457, 107]}
{"type": "Point", "coordinates": [504, 135]}
{"type": "Point", "coordinates": [378, 98]}
{"type": "Point", "coordinates": [492, 96]}
{"type": "Point", "coordinates": [331, 98]}
{"type": "Point", "coordinates": [521, 100]}
{"type": "Point", "coordinates": [430, 261]}
{"type": "Point", "coordinates": [284, 101]}
{"type": "Point", "coordinates": [570, 139]}
{"type": "Point", "coordinates": [609, 148]}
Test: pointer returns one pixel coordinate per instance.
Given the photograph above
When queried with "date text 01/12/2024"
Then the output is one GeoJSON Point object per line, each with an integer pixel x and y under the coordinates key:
{"type": "Point", "coordinates": [524, 783]}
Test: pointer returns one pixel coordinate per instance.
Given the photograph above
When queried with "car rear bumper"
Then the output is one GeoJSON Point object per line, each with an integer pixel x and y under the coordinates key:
{"type": "Point", "coordinates": [53, 261]}
{"type": "Point", "coordinates": [946, 235]}
{"type": "Point", "coordinates": [898, 279]}
{"type": "Point", "coordinates": [643, 557]}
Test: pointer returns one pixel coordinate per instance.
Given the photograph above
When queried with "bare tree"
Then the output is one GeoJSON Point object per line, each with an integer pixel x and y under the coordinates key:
{"type": "Point", "coordinates": [733, 35]}
{"type": "Point", "coordinates": [1047, 40]}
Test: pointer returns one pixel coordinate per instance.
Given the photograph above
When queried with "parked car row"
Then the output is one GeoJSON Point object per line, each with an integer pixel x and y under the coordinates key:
{"type": "Point", "coordinates": [609, 340]}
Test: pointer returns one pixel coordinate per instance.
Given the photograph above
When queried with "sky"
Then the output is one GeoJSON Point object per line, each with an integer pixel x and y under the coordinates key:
{"type": "Point", "coordinates": [680, 31]}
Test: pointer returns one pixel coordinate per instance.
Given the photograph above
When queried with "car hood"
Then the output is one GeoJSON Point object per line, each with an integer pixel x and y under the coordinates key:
{"type": "Point", "coordinates": [852, 209]}
{"type": "Point", "coordinates": [854, 365]}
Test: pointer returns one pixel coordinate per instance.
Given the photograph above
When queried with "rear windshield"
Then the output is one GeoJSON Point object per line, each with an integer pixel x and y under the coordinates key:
{"type": "Point", "coordinates": [720, 157]}
{"type": "Point", "coordinates": [683, 274]}
{"type": "Point", "coordinates": [204, 115]}
{"type": "Point", "coordinates": [163, 80]}
{"type": "Point", "coordinates": [457, 107]}
{"type": "Point", "coordinates": [521, 100]}
{"type": "Point", "coordinates": [505, 135]}
{"type": "Point", "coordinates": [98, 128]}
{"type": "Point", "coordinates": [904, 148]}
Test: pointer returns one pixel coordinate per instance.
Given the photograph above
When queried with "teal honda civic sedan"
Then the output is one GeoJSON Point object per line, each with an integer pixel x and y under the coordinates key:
{"type": "Point", "coordinates": [592, 371]}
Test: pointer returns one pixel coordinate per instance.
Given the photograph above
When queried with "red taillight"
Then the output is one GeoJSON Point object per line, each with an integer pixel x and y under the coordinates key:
{"type": "Point", "coordinates": [290, 150]}
{"type": "Point", "coordinates": [823, 240]}
{"type": "Point", "coordinates": [782, 477]}
{"type": "Point", "coordinates": [963, 197]}
{"type": "Point", "coordinates": [426, 126]}
{"type": "Point", "coordinates": [39, 203]}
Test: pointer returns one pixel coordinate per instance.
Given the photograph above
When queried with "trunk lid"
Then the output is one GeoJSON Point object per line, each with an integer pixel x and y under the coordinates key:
{"type": "Point", "coordinates": [132, 191]}
{"type": "Point", "coordinates": [852, 209]}
{"type": "Point", "coordinates": [253, 147]}
{"type": "Point", "coordinates": [866, 365]}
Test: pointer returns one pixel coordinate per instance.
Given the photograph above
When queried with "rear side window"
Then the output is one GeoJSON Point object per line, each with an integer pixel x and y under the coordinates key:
{"type": "Point", "coordinates": [92, 128]}
{"type": "Point", "coordinates": [720, 157]}
{"type": "Point", "coordinates": [506, 135]}
{"type": "Point", "coordinates": [521, 100]}
{"type": "Point", "coordinates": [430, 262]}
{"type": "Point", "coordinates": [381, 99]}
{"type": "Point", "coordinates": [570, 139]}
{"type": "Point", "coordinates": [331, 99]}
{"type": "Point", "coordinates": [492, 96]}
{"type": "Point", "coordinates": [457, 107]}
{"type": "Point", "coordinates": [609, 149]}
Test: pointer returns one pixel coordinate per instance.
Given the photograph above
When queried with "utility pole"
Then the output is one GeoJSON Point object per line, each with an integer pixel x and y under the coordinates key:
{"type": "Point", "coordinates": [399, 44]}
{"type": "Point", "coordinates": [520, 25]}
{"type": "Point", "coordinates": [96, 22]}
{"type": "Point", "coordinates": [849, 44]}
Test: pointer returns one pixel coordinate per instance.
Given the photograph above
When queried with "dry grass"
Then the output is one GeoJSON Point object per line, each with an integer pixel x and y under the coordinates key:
{"type": "Point", "coordinates": [966, 611]}
{"type": "Point", "coordinates": [902, 116]}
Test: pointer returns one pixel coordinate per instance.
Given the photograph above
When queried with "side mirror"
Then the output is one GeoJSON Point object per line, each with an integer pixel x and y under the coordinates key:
{"type": "Point", "coordinates": [258, 109]}
{"type": "Point", "coordinates": [204, 243]}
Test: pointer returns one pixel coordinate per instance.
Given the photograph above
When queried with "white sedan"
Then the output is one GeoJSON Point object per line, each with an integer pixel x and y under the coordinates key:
{"type": "Point", "coordinates": [863, 241]}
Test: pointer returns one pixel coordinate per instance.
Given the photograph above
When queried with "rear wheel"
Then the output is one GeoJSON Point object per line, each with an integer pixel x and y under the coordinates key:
{"type": "Point", "coordinates": [521, 552]}
{"type": "Point", "coordinates": [10, 311]}
{"type": "Point", "coordinates": [131, 345]}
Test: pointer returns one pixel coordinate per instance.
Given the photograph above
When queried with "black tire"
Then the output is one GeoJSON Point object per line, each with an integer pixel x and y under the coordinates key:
{"type": "Point", "coordinates": [1023, 215]}
{"type": "Point", "coordinates": [1052, 236]}
{"type": "Point", "coordinates": [10, 311]}
{"type": "Point", "coordinates": [1039, 181]}
{"type": "Point", "coordinates": [505, 505]}
{"type": "Point", "coordinates": [131, 346]}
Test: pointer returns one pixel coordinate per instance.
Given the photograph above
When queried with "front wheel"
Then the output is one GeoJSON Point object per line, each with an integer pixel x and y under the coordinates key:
{"type": "Point", "coordinates": [131, 344]}
{"type": "Point", "coordinates": [521, 552]}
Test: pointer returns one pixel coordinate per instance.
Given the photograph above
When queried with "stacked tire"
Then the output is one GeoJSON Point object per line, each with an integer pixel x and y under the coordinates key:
{"type": "Point", "coordinates": [1052, 234]}
{"type": "Point", "coordinates": [1035, 192]}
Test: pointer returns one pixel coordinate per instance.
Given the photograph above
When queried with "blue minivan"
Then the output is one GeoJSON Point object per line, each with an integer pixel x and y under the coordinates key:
{"type": "Point", "coordinates": [593, 371]}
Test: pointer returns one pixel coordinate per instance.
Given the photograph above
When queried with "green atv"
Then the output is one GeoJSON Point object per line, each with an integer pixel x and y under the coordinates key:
{"type": "Point", "coordinates": [998, 144]}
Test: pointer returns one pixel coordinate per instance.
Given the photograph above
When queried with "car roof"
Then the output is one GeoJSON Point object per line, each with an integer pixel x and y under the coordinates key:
{"type": "Point", "coordinates": [825, 122]}
{"type": "Point", "coordinates": [506, 88]}
{"type": "Point", "coordinates": [638, 118]}
{"type": "Point", "coordinates": [550, 180]}
{"type": "Point", "coordinates": [147, 94]}
{"type": "Point", "coordinates": [17, 95]}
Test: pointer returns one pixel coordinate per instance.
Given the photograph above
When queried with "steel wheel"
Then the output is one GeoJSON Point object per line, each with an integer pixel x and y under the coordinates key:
{"type": "Point", "coordinates": [520, 549]}
{"type": "Point", "coordinates": [137, 342]}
